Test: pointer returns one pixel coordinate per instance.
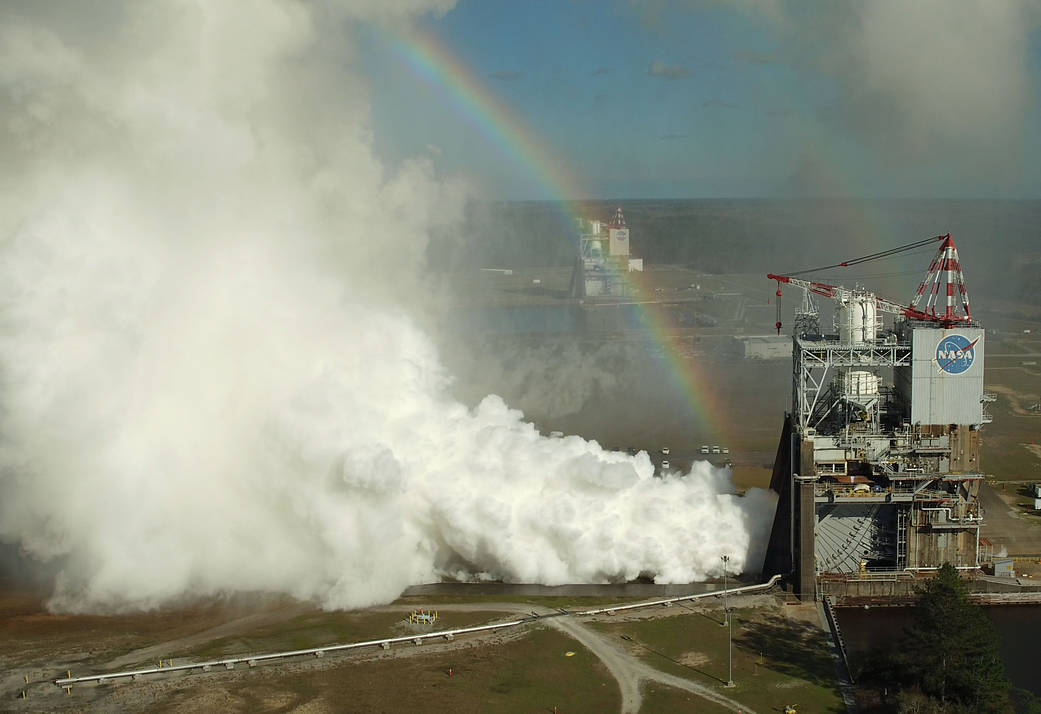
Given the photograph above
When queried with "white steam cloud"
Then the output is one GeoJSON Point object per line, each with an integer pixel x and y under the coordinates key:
{"type": "Point", "coordinates": [211, 380]}
{"type": "Point", "coordinates": [950, 83]}
{"type": "Point", "coordinates": [939, 96]}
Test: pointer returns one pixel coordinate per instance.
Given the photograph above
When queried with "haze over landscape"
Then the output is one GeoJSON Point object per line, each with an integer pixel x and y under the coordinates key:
{"type": "Point", "coordinates": [228, 242]}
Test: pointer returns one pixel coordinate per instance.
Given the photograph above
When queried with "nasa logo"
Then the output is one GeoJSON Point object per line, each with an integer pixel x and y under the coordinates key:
{"type": "Point", "coordinates": [955, 353]}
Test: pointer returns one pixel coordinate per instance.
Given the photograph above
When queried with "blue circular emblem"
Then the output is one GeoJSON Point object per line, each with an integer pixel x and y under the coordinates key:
{"type": "Point", "coordinates": [955, 353]}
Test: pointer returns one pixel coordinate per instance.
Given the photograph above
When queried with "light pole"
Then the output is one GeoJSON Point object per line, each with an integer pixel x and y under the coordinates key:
{"type": "Point", "coordinates": [725, 559]}
{"type": "Point", "coordinates": [729, 623]}
{"type": "Point", "coordinates": [730, 653]}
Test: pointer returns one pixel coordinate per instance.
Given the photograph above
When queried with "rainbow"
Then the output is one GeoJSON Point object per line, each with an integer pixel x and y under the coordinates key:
{"type": "Point", "coordinates": [701, 395]}
{"type": "Point", "coordinates": [438, 66]}
{"type": "Point", "coordinates": [434, 63]}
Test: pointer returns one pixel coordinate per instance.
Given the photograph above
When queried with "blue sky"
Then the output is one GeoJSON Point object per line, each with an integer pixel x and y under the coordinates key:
{"type": "Point", "coordinates": [697, 99]}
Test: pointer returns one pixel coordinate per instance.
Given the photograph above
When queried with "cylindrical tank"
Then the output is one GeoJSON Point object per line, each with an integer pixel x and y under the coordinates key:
{"type": "Point", "coordinates": [858, 320]}
{"type": "Point", "coordinates": [851, 322]}
{"type": "Point", "coordinates": [844, 321]}
{"type": "Point", "coordinates": [856, 327]}
{"type": "Point", "coordinates": [869, 318]}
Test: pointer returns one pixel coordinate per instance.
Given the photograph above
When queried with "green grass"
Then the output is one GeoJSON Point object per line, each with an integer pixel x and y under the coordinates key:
{"type": "Point", "coordinates": [1024, 500]}
{"type": "Point", "coordinates": [531, 674]}
{"type": "Point", "coordinates": [1003, 454]}
{"type": "Point", "coordinates": [776, 660]}
{"type": "Point", "coordinates": [327, 628]}
{"type": "Point", "coordinates": [659, 698]}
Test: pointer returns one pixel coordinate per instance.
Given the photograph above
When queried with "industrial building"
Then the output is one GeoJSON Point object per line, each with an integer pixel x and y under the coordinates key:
{"type": "Point", "coordinates": [878, 466]}
{"type": "Point", "coordinates": [765, 347]}
{"type": "Point", "coordinates": [603, 259]}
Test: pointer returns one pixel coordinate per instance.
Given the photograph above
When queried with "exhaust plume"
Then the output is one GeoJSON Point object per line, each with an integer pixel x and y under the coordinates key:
{"type": "Point", "coordinates": [213, 372]}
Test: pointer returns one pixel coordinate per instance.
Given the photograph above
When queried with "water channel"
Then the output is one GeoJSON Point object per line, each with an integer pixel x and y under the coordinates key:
{"type": "Point", "coordinates": [1018, 628]}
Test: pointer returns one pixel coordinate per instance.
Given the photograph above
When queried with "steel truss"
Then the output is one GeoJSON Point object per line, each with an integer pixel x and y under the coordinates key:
{"type": "Point", "coordinates": [814, 360]}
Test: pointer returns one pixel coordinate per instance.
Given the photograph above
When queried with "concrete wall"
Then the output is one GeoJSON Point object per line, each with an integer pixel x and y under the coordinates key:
{"type": "Point", "coordinates": [931, 547]}
{"type": "Point", "coordinates": [779, 550]}
{"type": "Point", "coordinates": [806, 525]}
{"type": "Point", "coordinates": [900, 589]}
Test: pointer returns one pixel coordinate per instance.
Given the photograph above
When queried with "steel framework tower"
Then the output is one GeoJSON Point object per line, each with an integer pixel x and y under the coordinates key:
{"type": "Point", "coordinates": [880, 475]}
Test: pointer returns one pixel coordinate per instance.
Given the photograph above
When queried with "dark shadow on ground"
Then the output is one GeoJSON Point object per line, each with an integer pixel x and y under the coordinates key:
{"type": "Point", "coordinates": [676, 662]}
{"type": "Point", "coordinates": [795, 649]}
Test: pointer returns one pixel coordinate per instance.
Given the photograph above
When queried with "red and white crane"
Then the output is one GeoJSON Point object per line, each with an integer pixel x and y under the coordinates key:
{"type": "Point", "coordinates": [943, 286]}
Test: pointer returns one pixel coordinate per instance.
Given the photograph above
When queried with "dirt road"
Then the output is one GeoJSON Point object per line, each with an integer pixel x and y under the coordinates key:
{"type": "Point", "coordinates": [630, 671]}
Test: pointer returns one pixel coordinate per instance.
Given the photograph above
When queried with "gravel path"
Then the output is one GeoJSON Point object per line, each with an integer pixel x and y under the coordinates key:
{"type": "Point", "coordinates": [630, 671]}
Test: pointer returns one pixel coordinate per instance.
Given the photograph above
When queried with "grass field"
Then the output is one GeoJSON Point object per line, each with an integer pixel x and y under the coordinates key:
{"type": "Point", "coordinates": [1006, 451]}
{"type": "Point", "coordinates": [658, 698]}
{"type": "Point", "coordinates": [326, 628]}
{"type": "Point", "coordinates": [530, 674]}
{"type": "Point", "coordinates": [777, 660]}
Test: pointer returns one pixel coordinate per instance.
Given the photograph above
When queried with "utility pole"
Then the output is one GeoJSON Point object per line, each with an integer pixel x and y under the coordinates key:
{"type": "Point", "coordinates": [729, 623]}
{"type": "Point", "coordinates": [730, 652]}
{"type": "Point", "coordinates": [726, 612]}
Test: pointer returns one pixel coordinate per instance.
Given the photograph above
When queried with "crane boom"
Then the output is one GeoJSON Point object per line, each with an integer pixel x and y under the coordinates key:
{"type": "Point", "coordinates": [943, 277]}
{"type": "Point", "coordinates": [841, 294]}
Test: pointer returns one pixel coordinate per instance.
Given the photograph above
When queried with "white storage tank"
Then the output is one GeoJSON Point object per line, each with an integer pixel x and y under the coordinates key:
{"type": "Point", "coordinates": [851, 323]}
{"type": "Point", "coordinates": [858, 320]}
{"type": "Point", "coordinates": [870, 318]}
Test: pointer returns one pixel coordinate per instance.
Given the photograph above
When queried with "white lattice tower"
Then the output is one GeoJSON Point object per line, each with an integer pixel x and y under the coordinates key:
{"type": "Point", "coordinates": [945, 285]}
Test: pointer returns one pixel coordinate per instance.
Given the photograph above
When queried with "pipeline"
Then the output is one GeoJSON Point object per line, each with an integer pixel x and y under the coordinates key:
{"type": "Point", "coordinates": [252, 660]}
{"type": "Point", "coordinates": [669, 601]}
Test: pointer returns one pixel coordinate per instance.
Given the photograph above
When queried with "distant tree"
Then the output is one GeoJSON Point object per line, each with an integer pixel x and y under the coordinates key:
{"type": "Point", "coordinates": [949, 652]}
